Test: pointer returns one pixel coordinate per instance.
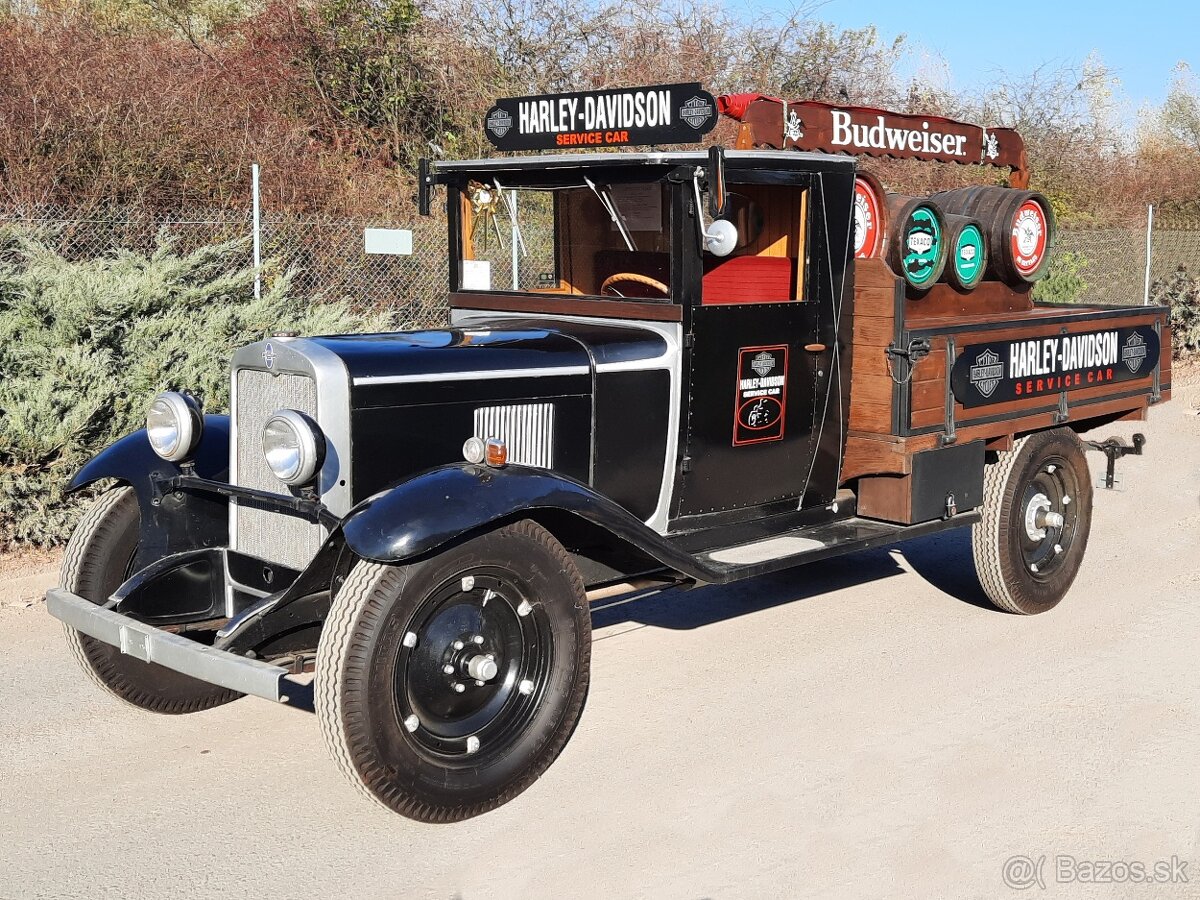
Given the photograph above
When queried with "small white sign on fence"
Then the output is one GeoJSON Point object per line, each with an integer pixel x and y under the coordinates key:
{"type": "Point", "coordinates": [390, 241]}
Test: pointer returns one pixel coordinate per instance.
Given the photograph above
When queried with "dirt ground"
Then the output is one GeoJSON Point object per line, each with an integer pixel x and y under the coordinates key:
{"type": "Point", "coordinates": [866, 726]}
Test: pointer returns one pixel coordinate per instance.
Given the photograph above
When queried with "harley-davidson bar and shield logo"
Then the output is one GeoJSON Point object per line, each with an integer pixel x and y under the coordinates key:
{"type": "Point", "coordinates": [1000, 371]}
{"type": "Point", "coordinates": [1133, 354]}
{"type": "Point", "coordinates": [987, 372]}
{"type": "Point", "coordinates": [760, 401]}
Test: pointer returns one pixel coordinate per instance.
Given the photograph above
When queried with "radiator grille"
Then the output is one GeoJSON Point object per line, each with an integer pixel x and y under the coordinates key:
{"type": "Point", "coordinates": [260, 531]}
{"type": "Point", "coordinates": [527, 430]}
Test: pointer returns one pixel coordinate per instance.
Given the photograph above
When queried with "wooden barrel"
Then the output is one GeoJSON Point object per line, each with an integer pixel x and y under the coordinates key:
{"type": "Point", "coordinates": [870, 216]}
{"type": "Point", "coordinates": [1019, 227]}
{"type": "Point", "coordinates": [916, 246]}
{"type": "Point", "coordinates": [967, 252]}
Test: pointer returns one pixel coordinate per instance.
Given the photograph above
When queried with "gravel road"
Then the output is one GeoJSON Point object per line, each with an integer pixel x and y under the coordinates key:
{"type": "Point", "coordinates": [866, 726]}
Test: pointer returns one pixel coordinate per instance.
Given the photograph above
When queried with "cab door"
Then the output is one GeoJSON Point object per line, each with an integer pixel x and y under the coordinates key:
{"type": "Point", "coordinates": [759, 360]}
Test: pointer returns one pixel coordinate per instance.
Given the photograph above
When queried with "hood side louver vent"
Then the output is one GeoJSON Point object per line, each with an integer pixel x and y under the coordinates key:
{"type": "Point", "coordinates": [527, 429]}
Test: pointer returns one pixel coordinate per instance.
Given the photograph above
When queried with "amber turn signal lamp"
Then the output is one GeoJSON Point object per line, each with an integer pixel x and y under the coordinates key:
{"type": "Point", "coordinates": [497, 452]}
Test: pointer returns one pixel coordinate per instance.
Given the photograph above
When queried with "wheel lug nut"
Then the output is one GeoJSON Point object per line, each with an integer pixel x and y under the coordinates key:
{"type": "Point", "coordinates": [448, 669]}
{"type": "Point", "coordinates": [412, 723]}
{"type": "Point", "coordinates": [468, 583]}
{"type": "Point", "coordinates": [478, 639]}
{"type": "Point", "coordinates": [459, 688]}
{"type": "Point", "coordinates": [458, 645]}
{"type": "Point", "coordinates": [478, 683]}
{"type": "Point", "coordinates": [525, 687]}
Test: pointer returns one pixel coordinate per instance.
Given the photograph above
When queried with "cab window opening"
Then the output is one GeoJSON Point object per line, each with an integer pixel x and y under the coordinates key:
{"type": "Point", "coordinates": [595, 238]}
{"type": "Point", "coordinates": [767, 263]}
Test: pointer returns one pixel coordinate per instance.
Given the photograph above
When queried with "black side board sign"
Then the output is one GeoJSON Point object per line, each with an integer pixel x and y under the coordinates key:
{"type": "Point", "coordinates": [621, 117]}
{"type": "Point", "coordinates": [1012, 370]}
{"type": "Point", "coordinates": [760, 405]}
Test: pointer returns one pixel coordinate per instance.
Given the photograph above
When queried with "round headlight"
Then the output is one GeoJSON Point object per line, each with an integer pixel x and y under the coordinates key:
{"type": "Point", "coordinates": [293, 446]}
{"type": "Point", "coordinates": [173, 425]}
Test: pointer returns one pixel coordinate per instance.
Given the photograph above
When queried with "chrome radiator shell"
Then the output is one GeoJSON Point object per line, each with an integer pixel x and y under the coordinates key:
{"type": "Point", "coordinates": [266, 377]}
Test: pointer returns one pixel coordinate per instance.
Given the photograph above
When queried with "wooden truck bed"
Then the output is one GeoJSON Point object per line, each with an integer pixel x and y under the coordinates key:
{"type": "Point", "coordinates": [898, 410]}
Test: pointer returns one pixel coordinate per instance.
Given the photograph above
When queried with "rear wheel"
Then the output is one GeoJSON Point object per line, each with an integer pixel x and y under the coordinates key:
{"type": "Point", "coordinates": [98, 558]}
{"type": "Point", "coordinates": [447, 687]}
{"type": "Point", "coordinates": [1036, 516]}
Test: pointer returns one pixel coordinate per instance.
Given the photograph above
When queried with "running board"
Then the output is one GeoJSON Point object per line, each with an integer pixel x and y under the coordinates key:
{"type": "Point", "coordinates": [721, 565]}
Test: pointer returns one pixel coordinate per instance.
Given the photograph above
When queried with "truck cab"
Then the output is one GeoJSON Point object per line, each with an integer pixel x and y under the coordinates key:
{"type": "Point", "coordinates": [660, 369]}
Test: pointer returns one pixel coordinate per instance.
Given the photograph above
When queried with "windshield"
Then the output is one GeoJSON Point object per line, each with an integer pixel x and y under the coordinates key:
{"type": "Point", "coordinates": [594, 239]}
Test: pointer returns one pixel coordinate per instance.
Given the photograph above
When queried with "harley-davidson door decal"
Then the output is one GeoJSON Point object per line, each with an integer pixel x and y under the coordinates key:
{"type": "Point", "coordinates": [760, 404]}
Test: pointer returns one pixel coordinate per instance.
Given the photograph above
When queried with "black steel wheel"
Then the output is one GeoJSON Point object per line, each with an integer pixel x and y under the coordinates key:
{"type": "Point", "coordinates": [1036, 516]}
{"type": "Point", "coordinates": [99, 557]}
{"type": "Point", "coordinates": [446, 687]}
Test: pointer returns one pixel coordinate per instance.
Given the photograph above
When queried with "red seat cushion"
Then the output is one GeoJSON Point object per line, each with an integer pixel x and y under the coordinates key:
{"type": "Point", "coordinates": [749, 279]}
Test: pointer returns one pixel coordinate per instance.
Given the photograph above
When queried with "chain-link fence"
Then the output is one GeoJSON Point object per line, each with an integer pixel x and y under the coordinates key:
{"type": "Point", "coordinates": [325, 257]}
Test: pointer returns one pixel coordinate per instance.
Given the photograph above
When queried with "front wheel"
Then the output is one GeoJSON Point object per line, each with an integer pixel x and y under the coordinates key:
{"type": "Point", "coordinates": [1036, 516]}
{"type": "Point", "coordinates": [446, 687]}
{"type": "Point", "coordinates": [99, 557]}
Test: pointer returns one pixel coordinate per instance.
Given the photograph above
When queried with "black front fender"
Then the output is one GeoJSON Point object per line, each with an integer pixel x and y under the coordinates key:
{"type": "Point", "coordinates": [174, 523]}
{"type": "Point", "coordinates": [445, 505]}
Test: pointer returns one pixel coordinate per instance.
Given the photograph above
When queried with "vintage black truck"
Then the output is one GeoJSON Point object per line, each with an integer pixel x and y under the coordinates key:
{"type": "Point", "coordinates": [662, 368]}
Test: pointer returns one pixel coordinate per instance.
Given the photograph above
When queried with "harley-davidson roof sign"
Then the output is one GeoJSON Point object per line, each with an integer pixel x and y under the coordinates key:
{"type": "Point", "coordinates": [621, 117]}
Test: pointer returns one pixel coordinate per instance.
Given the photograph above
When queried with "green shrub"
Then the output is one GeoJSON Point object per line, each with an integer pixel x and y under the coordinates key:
{"type": "Point", "coordinates": [85, 345]}
{"type": "Point", "coordinates": [1181, 292]}
{"type": "Point", "coordinates": [1064, 282]}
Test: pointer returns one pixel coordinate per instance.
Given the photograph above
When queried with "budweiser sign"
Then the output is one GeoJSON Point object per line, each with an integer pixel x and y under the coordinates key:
{"type": "Point", "coordinates": [809, 125]}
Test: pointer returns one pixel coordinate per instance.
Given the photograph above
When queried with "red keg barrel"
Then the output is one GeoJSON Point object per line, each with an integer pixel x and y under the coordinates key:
{"type": "Point", "coordinates": [916, 244]}
{"type": "Point", "coordinates": [870, 216]}
{"type": "Point", "coordinates": [1019, 226]}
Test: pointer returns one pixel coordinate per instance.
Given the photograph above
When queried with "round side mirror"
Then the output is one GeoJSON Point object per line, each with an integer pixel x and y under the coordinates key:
{"type": "Point", "coordinates": [721, 238]}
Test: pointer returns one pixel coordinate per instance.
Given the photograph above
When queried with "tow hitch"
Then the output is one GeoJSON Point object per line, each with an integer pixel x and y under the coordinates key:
{"type": "Point", "coordinates": [1114, 448]}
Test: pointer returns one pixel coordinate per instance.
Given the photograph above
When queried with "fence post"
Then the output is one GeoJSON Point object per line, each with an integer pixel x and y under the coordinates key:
{"type": "Point", "coordinates": [516, 279]}
{"type": "Point", "coordinates": [257, 229]}
{"type": "Point", "coordinates": [1149, 250]}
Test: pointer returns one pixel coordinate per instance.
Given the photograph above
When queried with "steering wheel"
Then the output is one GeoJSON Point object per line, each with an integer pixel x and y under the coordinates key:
{"type": "Point", "coordinates": [634, 278]}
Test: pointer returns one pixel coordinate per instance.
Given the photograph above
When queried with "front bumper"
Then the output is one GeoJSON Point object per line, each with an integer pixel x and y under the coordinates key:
{"type": "Point", "coordinates": [181, 654]}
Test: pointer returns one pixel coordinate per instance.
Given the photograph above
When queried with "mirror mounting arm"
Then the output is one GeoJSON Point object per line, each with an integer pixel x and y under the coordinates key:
{"type": "Point", "coordinates": [718, 237]}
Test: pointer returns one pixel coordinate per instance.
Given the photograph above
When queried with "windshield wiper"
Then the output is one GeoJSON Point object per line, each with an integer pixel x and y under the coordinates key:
{"type": "Point", "coordinates": [609, 204]}
{"type": "Point", "coordinates": [512, 217]}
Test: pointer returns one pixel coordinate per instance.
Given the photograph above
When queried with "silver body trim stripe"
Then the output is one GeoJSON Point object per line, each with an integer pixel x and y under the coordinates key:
{"type": "Point", "coordinates": [672, 333]}
{"type": "Point", "coordinates": [487, 375]}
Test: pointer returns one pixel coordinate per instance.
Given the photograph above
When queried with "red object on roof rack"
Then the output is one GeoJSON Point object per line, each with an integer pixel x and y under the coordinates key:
{"type": "Point", "coordinates": [772, 122]}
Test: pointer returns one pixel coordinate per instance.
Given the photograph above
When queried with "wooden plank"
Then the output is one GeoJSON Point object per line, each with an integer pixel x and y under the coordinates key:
{"type": "Point", "coordinates": [874, 331]}
{"type": "Point", "coordinates": [885, 454]}
{"type": "Point", "coordinates": [868, 455]}
{"type": "Point", "coordinates": [887, 497]}
{"type": "Point", "coordinates": [871, 415]}
{"type": "Point", "coordinates": [990, 299]}
{"type": "Point", "coordinates": [929, 394]}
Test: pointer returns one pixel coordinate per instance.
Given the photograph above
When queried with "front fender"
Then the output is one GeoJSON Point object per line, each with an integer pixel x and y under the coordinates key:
{"type": "Point", "coordinates": [169, 524]}
{"type": "Point", "coordinates": [132, 459]}
{"type": "Point", "coordinates": [439, 507]}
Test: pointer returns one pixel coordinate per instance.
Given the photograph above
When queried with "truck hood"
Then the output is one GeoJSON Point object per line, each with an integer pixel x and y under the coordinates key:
{"type": "Point", "coordinates": [503, 347]}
